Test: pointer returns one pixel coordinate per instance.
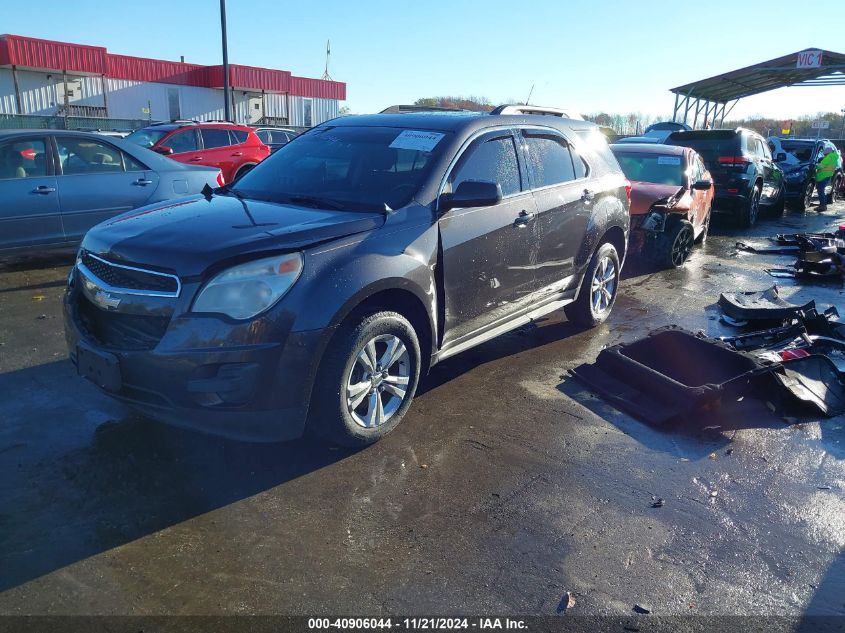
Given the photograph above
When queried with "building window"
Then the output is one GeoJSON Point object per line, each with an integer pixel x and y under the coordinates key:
{"type": "Point", "coordinates": [173, 104]}
{"type": "Point", "coordinates": [307, 116]}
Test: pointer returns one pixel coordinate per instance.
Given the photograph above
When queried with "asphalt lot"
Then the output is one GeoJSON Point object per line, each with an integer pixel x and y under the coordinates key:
{"type": "Point", "coordinates": [506, 486]}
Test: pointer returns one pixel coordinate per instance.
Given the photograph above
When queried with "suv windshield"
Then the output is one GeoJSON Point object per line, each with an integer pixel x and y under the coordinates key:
{"type": "Point", "coordinates": [662, 170]}
{"type": "Point", "coordinates": [354, 168]}
{"type": "Point", "coordinates": [711, 145]}
{"type": "Point", "coordinates": [146, 137]}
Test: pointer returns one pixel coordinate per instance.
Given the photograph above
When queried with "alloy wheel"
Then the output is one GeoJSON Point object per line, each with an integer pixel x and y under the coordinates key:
{"type": "Point", "coordinates": [754, 207]}
{"type": "Point", "coordinates": [378, 381]}
{"type": "Point", "coordinates": [603, 285]}
{"type": "Point", "coordinates": [682, 247]}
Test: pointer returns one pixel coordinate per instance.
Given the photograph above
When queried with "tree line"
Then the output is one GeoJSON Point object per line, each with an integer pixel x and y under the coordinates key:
{"type": "Point", "coordinates": [635, 123]}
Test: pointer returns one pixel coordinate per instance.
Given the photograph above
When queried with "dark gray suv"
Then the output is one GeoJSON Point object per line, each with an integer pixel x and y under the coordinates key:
{"type": "Point", "coordinates": [312, 293]}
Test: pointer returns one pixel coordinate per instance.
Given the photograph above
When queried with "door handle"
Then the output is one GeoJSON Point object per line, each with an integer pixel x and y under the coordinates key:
{"type": "Point", "coordinates": [142, 182]}
{"type": "Point", "coordinates": [523, 219]}
{"type": "Point", "coordinates": [196, 159]}
{"type": "Point", "coordinates": [43, 189]}
{"type": "Point", "coordinates": [588, 195]}
{"type": "Point", "coordinates": [238, 154]}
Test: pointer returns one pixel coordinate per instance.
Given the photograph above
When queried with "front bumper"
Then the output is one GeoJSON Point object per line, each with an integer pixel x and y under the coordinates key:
{"type": "Point", "coordinates": [248, 381]}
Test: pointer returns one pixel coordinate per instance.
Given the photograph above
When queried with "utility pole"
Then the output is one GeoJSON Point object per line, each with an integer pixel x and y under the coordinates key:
{"type": "Point", "coordinates": [842, 131]}
{"type": "Point", "coordinates": [227, 109]}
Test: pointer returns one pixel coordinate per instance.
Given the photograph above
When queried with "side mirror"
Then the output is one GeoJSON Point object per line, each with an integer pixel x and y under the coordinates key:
{"type": "Point", "coordinates": [163, 149]}
{"type": "Point", "coordinates": [703, 185]}
{"type": "Point", "coordinates": [781, 156]}
{"type": "Point", "coordinates": [472, 193]}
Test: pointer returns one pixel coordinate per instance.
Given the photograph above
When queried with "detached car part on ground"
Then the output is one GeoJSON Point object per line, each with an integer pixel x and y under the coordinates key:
{"type": "Point", "coordinates": [671, 200]}
{"type": "Point", "coordinates": [675, 376]}
{"type": "Point", "coordinates": [820, 256]}
{"type": "Point", "coordinates": [313, 293]}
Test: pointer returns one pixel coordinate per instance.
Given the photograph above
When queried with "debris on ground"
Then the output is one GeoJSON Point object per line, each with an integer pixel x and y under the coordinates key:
{"type": "Point", "coordinates": [566, 602]}
{"type": "Point", "coordinates": [642, 609]}
{"type": "Point", "coordinates": [658, 502]}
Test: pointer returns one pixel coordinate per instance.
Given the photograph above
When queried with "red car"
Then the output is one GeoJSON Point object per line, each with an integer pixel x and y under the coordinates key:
{"type": "Point", "coordinates": [234, 149]}
{"type": "Point", "coordinates": [671, 199]}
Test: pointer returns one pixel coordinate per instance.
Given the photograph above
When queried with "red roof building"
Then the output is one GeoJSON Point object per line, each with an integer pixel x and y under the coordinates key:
{"type": "Point", "coordinates": [43, 77]}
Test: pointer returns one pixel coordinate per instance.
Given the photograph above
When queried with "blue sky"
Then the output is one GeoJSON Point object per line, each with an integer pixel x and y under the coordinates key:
{"type": "Point", "coordinates": [614, 56]}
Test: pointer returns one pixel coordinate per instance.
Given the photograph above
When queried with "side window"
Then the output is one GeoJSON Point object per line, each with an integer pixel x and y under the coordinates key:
{"type": "Point", "coordinates": [263, 136]}
{"type": "Point", "coordinates": [238, 136]}
{"type": "Point", "coordinates": [549, 159]}
{"type": "Point", "coordinates": [701, 168]}
{"type": "Point", "coordinates": [763, 149]}
{"type": "Point", "coordinates": [580, 165]}
{"type": "Point", "coordinates": [214, 138]}
{"type": "Point", "coordinates": [184, 141]}
{"type": "Point", "coordinates": [23, 158]}
{"type": "Point", "coordinates": [86, 156]}
{"type": "Point", "coordinates": [132, 164]}
{"type": "Point", "coordinates": [751, 145]}
{"type": "Point", "coordinates": [493, 160]}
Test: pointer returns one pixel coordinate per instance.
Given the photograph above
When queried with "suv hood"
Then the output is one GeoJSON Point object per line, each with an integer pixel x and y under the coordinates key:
{"type": "Point", "coordinates": [189, 235]}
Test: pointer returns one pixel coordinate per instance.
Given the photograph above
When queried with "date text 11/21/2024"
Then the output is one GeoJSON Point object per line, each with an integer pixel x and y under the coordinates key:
{"type": "Point", "coordinates": [416, 624]}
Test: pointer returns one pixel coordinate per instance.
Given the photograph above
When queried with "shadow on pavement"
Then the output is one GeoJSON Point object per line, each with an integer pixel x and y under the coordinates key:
{"type": "Point", "coordinates": [73, 488]}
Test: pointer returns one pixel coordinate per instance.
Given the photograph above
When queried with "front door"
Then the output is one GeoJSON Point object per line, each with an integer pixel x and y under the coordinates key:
{"type": "Point", "coordinates": [29, 199]}
{"type": "Point", "coordinates": [96, 182]}
{"type": "Point", "coordinates": [489, 253]}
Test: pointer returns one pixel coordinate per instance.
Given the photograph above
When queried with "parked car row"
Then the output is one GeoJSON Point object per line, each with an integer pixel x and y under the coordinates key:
{"type": "Point", "coordinates": [55, 185]}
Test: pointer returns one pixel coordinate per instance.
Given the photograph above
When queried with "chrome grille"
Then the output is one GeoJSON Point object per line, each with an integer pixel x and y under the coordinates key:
{"type": "Point", "coordinates": [128, 279]}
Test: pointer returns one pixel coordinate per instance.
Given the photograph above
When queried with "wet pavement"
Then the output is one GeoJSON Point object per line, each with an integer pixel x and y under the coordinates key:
{"type": "Point", "coordinates": [507, 485]}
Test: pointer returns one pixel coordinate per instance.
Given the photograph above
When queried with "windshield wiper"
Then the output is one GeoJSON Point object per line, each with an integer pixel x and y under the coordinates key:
{"type": "Point", "coordinates": [319, 203]}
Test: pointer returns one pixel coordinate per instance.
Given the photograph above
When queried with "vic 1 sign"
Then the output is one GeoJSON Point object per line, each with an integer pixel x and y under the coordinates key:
{"type": "Point", "coordinates": [821, 125]}
{"type": "Point", "coordinates": [809, 59]}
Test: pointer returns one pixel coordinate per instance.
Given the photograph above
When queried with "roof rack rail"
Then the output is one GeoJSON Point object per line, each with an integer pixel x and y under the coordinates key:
{"type": "Point", "coordinates": [176, 122]}
{"type": "Point", "coordinates": [406, 109]}
{"type": "Point", "coordinates": [517, 108]}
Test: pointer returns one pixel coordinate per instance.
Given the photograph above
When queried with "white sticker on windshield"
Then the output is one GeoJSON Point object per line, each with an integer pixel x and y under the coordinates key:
{"type": "Point", "coordinates": [668, 160]}
{"type": "Point", "coordinates": [416, 139]}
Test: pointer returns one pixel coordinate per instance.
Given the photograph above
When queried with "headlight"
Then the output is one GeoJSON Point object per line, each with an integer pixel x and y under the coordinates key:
{"type": "Point", "coordinates": [245, 290]}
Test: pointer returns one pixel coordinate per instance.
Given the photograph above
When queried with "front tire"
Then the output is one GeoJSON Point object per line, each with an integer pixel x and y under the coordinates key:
{"type": "Point", "coordinates": [598, 290]}
{"type": "Point", "coordinates": [671, 248]}
{"type": "Point", "coordinates": [366, 380]}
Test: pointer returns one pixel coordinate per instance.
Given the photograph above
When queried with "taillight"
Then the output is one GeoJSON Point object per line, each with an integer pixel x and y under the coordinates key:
{"type": "Point", "coordinates": [628, 191]}
{"type": "Point", "coordinates": [735, 161]}
{"type": "Point", "coordinates": [220, 180]}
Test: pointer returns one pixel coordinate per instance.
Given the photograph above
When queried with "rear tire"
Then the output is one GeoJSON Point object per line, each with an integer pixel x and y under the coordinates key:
{"type": "Point", "coordinates": [751, 209]}
{"type": "Point", "coordinates": [803, 203]}
{"type": "Point", "coordinates": [598, 289]}
{"type": "Point", "coordinates": [672, 248]}
{"type": "Point", "coordinates": [366, 380]}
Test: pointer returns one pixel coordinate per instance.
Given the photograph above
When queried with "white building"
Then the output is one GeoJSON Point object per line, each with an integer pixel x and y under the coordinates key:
{"type": "Point", "coordinates": [46, 78]}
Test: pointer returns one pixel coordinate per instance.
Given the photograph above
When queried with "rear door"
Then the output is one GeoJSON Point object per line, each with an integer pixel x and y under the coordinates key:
{"type": "Point", "coordinates": [564, 203]}
{"type": "Point", "coordinates": [29, 199]}
{"type": "Point", "coordinates": [489, 253]}
{"type": "Point", "coordinates": [96, 181]}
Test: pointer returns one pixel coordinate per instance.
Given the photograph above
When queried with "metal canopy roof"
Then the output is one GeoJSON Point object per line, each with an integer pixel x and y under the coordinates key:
{"type": "Point", "coordinates": [712, 97]}
{"type": "Point", "coordinates": [775, 73]}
